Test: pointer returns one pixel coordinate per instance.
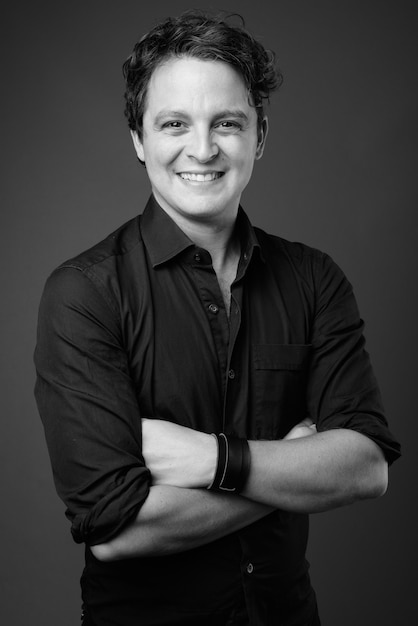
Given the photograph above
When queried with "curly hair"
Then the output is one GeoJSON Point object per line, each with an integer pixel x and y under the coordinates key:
{"type": "Point", "coordinates": [197, 34]}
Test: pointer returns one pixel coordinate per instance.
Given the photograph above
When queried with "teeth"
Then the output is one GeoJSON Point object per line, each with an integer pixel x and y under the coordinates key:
{"type": "Point", "coordinates": [200, 178]}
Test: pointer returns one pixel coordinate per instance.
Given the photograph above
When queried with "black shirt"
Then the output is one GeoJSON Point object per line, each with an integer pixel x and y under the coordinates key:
{"type": "Point", "coordinates": [137, 326]}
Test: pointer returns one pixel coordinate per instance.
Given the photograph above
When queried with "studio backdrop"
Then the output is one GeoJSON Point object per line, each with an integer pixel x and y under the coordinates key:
{"type": "Point", "coordinates": [339, 173]}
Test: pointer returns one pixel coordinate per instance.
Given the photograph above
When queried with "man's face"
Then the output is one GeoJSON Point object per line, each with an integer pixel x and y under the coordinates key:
{"type": "Point", "coordinates": [199, 139]}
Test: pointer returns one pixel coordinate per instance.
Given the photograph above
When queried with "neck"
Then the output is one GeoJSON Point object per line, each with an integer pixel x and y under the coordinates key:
{"type": "Point", "coordinates": [224, 248]}
{"type": "Point", "coordinates": [219, 241]}
{"type": "Point", "coordinates": [216, 235]}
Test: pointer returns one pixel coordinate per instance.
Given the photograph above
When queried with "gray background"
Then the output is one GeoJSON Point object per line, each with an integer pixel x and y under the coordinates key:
{"type": "Point", "coordinates": [339, 173]}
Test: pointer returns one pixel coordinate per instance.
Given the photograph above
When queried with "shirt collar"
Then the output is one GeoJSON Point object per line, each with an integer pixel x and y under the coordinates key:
{"type": "Point", "coordinates": [164, 240]}
{"type": "Point", "coordinates": [162, 237]}
{"type": "Point", "coordinates": [248, 237]}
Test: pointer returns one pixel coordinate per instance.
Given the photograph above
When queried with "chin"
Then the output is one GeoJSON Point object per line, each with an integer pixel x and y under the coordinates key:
{"type": "Point", "coordinates": [208, 209]}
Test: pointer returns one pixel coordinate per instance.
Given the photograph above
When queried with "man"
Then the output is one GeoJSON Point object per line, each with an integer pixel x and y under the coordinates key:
{"type": "Point", "coordinates": [203, 385]}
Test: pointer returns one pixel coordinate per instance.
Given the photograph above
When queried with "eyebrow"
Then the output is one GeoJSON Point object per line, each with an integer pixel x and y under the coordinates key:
{"type": "Point", "coordinates": [227, 113]}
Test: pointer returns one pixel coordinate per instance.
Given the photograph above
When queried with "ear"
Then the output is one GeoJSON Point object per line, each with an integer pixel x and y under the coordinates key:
{"type": "Point", "coordinates": [262, 135]}
{"type": "Point", "coordinates": [138, 145]}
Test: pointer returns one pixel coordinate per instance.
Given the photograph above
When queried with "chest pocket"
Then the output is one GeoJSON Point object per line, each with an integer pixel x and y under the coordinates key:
{"type": "Point", "coordinates": [280, 377]}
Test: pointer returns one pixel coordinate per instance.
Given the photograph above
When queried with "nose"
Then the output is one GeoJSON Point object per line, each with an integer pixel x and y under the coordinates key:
{"type": "Point", "coordinates": [202, 147]}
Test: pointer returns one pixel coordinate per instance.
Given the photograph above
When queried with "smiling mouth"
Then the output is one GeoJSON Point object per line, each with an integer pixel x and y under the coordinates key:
{"type": "Point", "coordinates": [200, 178]}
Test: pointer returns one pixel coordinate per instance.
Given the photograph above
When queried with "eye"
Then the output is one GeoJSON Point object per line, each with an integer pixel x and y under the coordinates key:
{"type": "Point", "coordinates": [228, 126]}
{"type": "Point", "coordinates": [174, 125]}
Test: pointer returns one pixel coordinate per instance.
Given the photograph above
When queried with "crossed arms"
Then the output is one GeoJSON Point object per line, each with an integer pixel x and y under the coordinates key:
{"type": "Point", "coordinates": [306, 472]}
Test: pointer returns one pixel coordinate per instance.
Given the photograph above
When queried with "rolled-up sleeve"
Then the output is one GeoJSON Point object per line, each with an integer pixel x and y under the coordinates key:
{"type": "Point", "coordinates": [88, 407]}
{"type": "Point", "coordinates": [343, 391]}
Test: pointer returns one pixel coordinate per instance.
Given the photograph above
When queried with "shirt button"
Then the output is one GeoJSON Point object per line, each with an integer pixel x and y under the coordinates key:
{"type": "Point", "coordinates": [245, 256]}
{"type": "Point", "coordinates": [250, 568]}
{"type": "Point", "coordinates": [231, 374]}
{"type": "Point", "coordinates": [213, 308]}
{"type": "Point", "coordinates": [197, 257]}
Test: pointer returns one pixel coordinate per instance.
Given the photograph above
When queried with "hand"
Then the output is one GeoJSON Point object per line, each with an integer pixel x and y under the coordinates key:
{"type": "Point", "coordinates": [178, 456]}
{"type": "Point", "coordinates": [183, 457]}
{"type": "Point", "coordinates": [305, 428]}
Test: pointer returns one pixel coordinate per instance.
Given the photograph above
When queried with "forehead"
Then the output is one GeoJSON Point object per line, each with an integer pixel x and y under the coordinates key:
{"type": "Point", "coordinates": [191, 83]}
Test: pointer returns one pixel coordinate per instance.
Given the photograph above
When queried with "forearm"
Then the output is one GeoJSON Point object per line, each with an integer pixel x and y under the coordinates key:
{"type": "Point", "coordinates": [317, 473]}
{"type": "Point", "coordinates": [173, 520]}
